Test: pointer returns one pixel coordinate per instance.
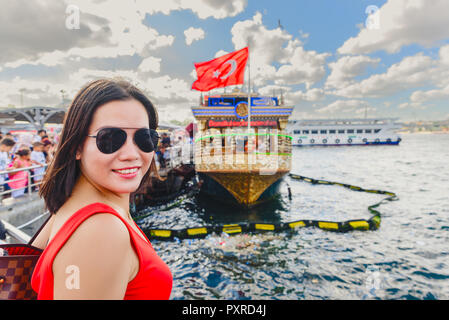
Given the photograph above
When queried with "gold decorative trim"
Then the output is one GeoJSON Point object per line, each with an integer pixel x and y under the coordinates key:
{"type": "Point", "coordinates": [245, 187]}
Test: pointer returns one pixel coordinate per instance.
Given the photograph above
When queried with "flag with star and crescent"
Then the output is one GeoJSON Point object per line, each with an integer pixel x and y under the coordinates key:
{"type": "Point", "coordinates": [221, 72]}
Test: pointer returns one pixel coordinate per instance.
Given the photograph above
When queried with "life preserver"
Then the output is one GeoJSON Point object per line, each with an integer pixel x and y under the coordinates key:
{"type": "Point", "coordinates": [299, 141]}
{"type": "Point", "coordinates": [337, 140]}
{"type": "Point", "coordinates": [312, 140]}
{"type": "Point", "coordinates": [324, 141]}
{"type": "Point", "coordinates": [365, 140]}
{"type": "Point", "coordinates": [349, 140]}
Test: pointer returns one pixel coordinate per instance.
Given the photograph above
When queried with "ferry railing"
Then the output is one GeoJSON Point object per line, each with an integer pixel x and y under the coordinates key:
{"type": "Point", "coordinates": [30, 181]}
{"type": "Point", "coordinates": [230, 152]}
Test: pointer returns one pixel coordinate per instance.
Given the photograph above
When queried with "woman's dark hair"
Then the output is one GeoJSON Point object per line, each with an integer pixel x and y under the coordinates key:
{"type": "Point", "coordinates": [64, 170]}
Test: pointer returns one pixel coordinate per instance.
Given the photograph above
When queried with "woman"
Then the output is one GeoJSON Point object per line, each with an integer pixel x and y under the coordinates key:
{"type": "Point", "coordinates": [93, 248]}
{"type": "Point", "coordinates": [19, 180]}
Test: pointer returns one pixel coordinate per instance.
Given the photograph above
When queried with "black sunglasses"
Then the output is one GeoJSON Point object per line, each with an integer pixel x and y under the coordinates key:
{"type": "Point", "coordinates": [109, 140]}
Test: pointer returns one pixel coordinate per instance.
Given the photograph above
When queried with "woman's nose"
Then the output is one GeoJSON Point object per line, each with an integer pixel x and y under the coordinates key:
{"type": "Point", "coordinates": [129, 151]}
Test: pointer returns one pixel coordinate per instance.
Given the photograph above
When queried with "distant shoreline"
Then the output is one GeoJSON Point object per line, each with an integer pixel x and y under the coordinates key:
{"type": "Point", "coordinates": [423, 132]}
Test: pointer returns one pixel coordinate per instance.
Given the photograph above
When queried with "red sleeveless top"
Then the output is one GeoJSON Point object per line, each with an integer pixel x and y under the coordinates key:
{"type": "Point", "coordinates": [152, 282]}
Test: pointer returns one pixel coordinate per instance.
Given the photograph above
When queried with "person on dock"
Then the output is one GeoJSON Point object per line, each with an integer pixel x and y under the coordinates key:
{"type": "Point", "coordinates": [92, 247]}
{"type": "Point", "coordinates": [19, 180]}
{"type": "Point", "coordinates": [48, 150]}
{"type": "Point", "coordinates": [6, 145]}
{"type": "Point", "coordinates": [38, 158]}
{"type": "Point", "coordinates": [40, 133]}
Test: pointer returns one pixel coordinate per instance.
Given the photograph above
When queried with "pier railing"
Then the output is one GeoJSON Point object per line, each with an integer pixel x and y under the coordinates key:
{"type": "Point", "coordinates": [30, 181]}
{"type": "Point", "coordinates": [177, 155]}
{"type": "Point", "coordinates": [240, 150]}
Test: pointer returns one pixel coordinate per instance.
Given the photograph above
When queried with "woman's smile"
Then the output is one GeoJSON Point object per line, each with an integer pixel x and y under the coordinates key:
{"type": "Point", "coordinates": [127, 173]}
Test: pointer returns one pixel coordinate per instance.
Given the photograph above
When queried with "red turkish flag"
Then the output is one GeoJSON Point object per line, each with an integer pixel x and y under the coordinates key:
{"type": "Point", "coordinates": [221, 72]}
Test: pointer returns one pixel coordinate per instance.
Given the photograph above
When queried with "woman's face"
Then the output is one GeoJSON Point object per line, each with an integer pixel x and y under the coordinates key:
{"type": "Point", "coordinates": [107, 170]}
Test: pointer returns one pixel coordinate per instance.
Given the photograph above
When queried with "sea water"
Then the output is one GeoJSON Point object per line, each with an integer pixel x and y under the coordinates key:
{"type": "Point", "coordinates": [406, 258]}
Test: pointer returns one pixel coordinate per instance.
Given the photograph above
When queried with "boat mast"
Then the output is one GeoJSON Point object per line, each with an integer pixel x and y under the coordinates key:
{"type": "Point", "coordinates": [249, 106]}
{"type": "Point", "coordinates": [249, 95]}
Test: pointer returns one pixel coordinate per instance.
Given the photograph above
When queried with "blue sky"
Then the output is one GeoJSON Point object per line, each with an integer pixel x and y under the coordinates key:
{"type": "Point", "coordinates": [326, 59]}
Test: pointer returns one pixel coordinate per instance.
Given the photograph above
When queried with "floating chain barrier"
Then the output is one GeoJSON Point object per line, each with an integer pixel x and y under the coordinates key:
{"type": "Point", "coordinates": [252, 227]}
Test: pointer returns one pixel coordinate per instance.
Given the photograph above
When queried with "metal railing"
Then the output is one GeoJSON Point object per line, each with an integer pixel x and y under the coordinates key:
{"type": "Point", "coordinates": [177, 155]}
{"type": "Point", "coordinates": [30, 183]}
{"type": "Point", "coordinates": [240, 150]}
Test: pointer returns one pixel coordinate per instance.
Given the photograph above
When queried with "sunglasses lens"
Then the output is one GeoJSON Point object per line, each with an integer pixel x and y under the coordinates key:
{"type": "Point", "coordinates": [109, 140]}
{"type": "Point", "coordinates": [145, 139]}
{"type": "Point", "coordinates": [154, 137]}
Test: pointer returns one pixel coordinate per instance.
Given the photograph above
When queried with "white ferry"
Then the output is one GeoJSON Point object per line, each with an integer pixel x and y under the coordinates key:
{"type": "Point", "coordinates": [340, 132]}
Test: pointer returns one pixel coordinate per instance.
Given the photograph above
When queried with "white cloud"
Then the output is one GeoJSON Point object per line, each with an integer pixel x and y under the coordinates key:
{"type": "Point", "coordinates": [220, 53]}
{"type": "Point", "coordinates": [345, 69]}
{"type": "Point", "coordinates": [152, 64]}
{"type": "Point", "coordinates": [202, 8]}
{"type": "Point", "coordinates": [411, 72]}
{"type": "Point", "coordinates": [36, 92]}
{"type": "Point", "coordinates": [269, 46]}
{"type": "Point", "coordinates": [29, 29]}
{"type": "Point", "coordinates": [314, 94]}
{"type": "Point", "coordinates": [434, 94]}
{"type": "Point", "coordinates": [353, 107]}
{"type": "Point", "coordinates": [108, 29]}
{"type": "Point", "coordinates": [412, 105]}
{"type": "Point", "coordinates": [302, 67]}
{"type": "Point", "coordinates": [439, 77]}
{"type": "Point", "coordinates": [444, 55]}
{"type": "Point", "coordinates": [193, 34]}
{"type": "Point", "coordinates": [401, 23]}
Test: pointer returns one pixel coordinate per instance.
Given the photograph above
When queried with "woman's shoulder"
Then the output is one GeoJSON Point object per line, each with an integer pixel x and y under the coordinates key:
{"type": "Point", "coordinates": [104, 225]}
{"type": "Point", "coordinates": [93, 223]}
{"type": "Point", "coordinates": [100, 238]}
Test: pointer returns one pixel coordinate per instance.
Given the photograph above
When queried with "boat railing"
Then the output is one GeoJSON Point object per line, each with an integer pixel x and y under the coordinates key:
{"type": "Point", "coordinates": [30, 181]}
{"type": "Point", "coordinates": [238, 149]}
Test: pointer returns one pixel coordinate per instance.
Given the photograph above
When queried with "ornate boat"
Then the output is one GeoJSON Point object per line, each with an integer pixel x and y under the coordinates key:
{"type": "Point", "coordinates": [242, 164]}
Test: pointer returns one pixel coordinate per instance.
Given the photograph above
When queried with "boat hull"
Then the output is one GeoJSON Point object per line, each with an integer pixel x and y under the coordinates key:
{"type": "Point", "coordinates": [242, 189]}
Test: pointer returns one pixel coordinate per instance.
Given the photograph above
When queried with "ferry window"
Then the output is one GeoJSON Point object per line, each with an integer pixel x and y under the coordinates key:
{"type": "Point", "coordinates": [314, 131]}
{"type": "Point", "coordinates": [359, 131]}
{"type": "Point", "coordinates": [305, 131]}
{"type": "Point", "coordinates": [323, 131]}
{"type": "Point", "coordinates": [376, 130]}
{"type": "Point", "coordinates": [368, 131]}
{"type": "Point", "coordinates": [332, 131]}
{"type": "Point", "coordinates": [341, 131]}
{"type": "Point", "coordinates": [297, 131]}
{"type": "Point", "coordinates": [350, 130]}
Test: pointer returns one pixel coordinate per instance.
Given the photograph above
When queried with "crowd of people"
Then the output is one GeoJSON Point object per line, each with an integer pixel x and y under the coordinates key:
{"type": "Point", "coordinates": [22, 151]}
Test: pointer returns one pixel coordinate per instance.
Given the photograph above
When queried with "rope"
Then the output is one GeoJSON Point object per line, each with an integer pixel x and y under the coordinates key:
{"type": "Point", "coordinates": [342, 226]}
